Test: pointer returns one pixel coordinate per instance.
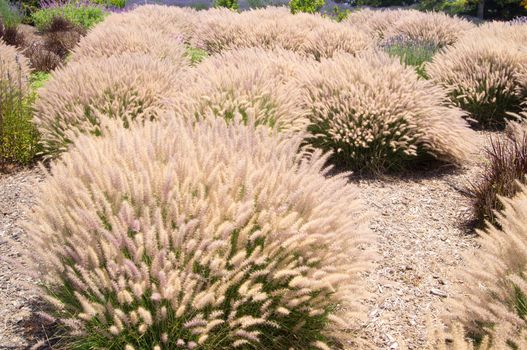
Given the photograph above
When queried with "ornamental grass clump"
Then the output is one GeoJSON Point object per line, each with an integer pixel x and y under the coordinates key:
{"type": "Point", "coordinates": [18, 135]}
{"type": "Point", "coordinates": [377, 23]}
{"type": "Point", "coordinates": [108, 40]}
{"type": "Point", "coordinates": [495, 284]}
{"type": "Point", "coordinates": [506, 165]}
{"type": "Point", "coordinates": [80, 96]}
{"type": "Point", "coordinates": [436, 28]}
{"type": "Point", "coordinates": [250, 82]}
{"type": "Point", "coordinates": [481, 72]}
{"type": "Point", "coordinates": [198, 236]}
{"type": "Point", "coordinates": [307, 34]}
{"type": "Point", "coordinates": [376, 114]}
{"type": "Point", "coordinates": [172, 21]}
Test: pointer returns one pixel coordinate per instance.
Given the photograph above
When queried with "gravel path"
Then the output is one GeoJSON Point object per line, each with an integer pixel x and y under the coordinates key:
{"type": "Point", "coordinates": [16, 293]}
{"type": "Point", "coordinates": [421, 224]}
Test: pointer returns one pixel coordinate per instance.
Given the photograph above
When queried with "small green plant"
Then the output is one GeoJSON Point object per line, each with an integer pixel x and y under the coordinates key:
{"type": "Point", "coordinates": [308, 6]}
{"type": "Point", "coordinates": [9, 16]}
{"type": "Point", "coordinates": [110, 3]}
{"type": "Point", "coordinates": [339, 15]}
{"type": "Point", "coordinates": [18, 134]}
{"type": "Point", "coordinates": [412, 53]}
{"type": "Point", "coordinates": [230, 4]}
{"type": "Point", "coordinates": [83, 15]}
{"type": "Point", "coordinates": [38, 79]}
{"type": "Point", "coordinates": [196, 55]}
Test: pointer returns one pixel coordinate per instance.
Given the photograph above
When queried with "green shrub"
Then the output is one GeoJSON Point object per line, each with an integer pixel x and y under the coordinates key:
{"type": "Point", "coordinates": [38, 79]}
{"type": "Point", "coordinates": [383, 3]}
{"type": "Point", "coordinates": [340, 15]}
{"type": "Point", "coordinates": [18, 134]}
{"type": "Point", "coordinates": [230, 4]}
{"type": "Point", "coordinates": [308, 6]}
{"type": "Point", "coordinates": [9, 16]}
{"type": "Point", "coordinates": [84, 15]}
{"type": "Point", "coordinates": [199, 241]}
{"type": "Point", "coordinates": [27, 7]}
{"type": "Point", "coordinates": [110, 3]}
{"type": "Point", "coordinates": [493, 9]}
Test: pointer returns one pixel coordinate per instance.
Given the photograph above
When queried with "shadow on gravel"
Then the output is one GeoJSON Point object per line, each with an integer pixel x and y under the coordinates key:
{"type": "Point", "coordinates": [41, 333]}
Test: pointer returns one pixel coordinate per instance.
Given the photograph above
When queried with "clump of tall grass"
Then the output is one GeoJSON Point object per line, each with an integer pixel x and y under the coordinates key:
{"type": "Point", "coordinates": [494, 291]}
{"type": "Point", "coordinates": [375, 114]}
{"type": "Point", "coordinates": [109, 40]}
{"type": "Point", "coordinates": [307, 34]}
{"type": "Point", "coordinates": [506, 165]}
{"type": "Point", "coordinates": [198, 235]}
{"type": "Point", "coordinates": [436, 28]}
{"type": "Point", "coordinates": [81, 96]}
{"type": "Point", "coordinates": [172, 21]}
{"type": "Point", "coordinates": [18, 135]}
{"type": "Point", "coordinates": [247, 82]}
{"type": "Point", "coordinates": [481, 72]}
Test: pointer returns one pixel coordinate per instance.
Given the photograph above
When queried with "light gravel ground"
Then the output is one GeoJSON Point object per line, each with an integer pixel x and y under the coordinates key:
{"type": "Point", "coordinates": [421, 227]}
{"type": "Point", "coordinates": [16, 291]}
{"type": "Point", "coordinates": [421, 224]}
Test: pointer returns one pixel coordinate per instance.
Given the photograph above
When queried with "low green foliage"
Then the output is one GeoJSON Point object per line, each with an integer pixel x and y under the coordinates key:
{"type": "Point", "coordinates": [9, 16]}
{"type": "Point", "coordinates": [196, 55]}
{"type": "Point", "coordinates": [230, 4]}
{"type": "Point", "coordinates": [110, 3]}
{"type": "Point", "coordinates": [18, 134]}
{"type": "Point", "coordinates": [38, 79]}
{"type": "Point", "coordinates": [452, 7]}
{"type": "Point", "coordinates": [493, 9]}
{"type": "Point", "coordinates": [199, 6]}
{"type": "Point", "coordinates": [255, 4]}
{"type": "Point", "coordinates": [382, 3]}
{"type": "Point", "coordinates": [339, 15]}
{"type": "Point", "coordinates": [308, 6]}
{"type": "Point", "coordinates": [26, 8]}
{"type": "Point", "coordinates": [413, 54]}
{"type": "Point", "coordinates": [82, 15]}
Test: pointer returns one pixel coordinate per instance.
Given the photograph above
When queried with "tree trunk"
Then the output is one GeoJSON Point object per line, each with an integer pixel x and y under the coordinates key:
{"type": "Point", "coordinates": [481, 9]}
